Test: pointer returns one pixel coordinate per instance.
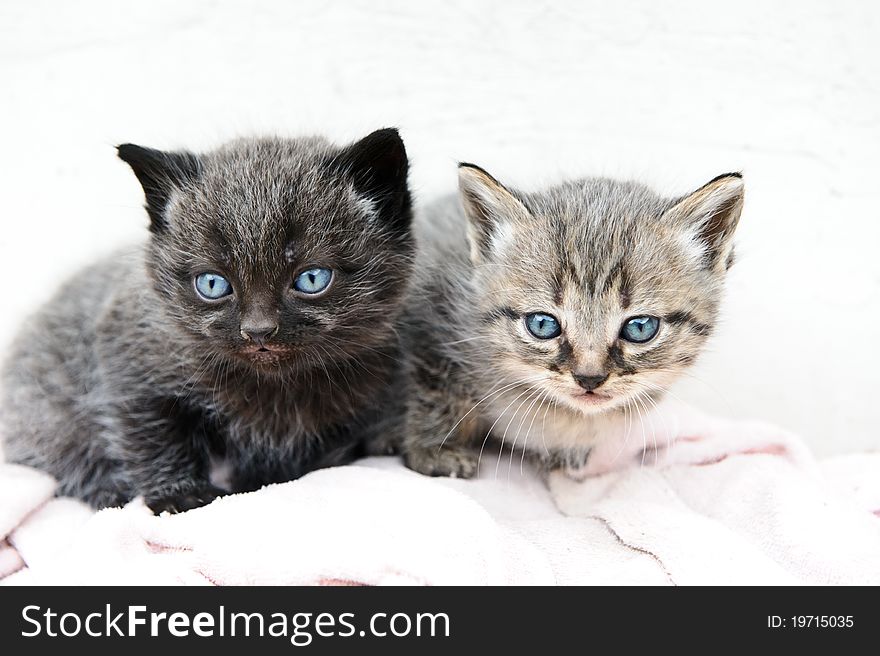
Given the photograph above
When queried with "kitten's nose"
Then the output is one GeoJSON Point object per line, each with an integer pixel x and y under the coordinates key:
{"type": "Point", "coordinates": [259, 333]}
{"type": "Point", "coordinates": [590, 383]}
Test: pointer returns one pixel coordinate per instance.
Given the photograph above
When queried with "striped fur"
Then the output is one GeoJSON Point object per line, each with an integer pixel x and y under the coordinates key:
{"type": "Point", "coordinates": [592, 253]}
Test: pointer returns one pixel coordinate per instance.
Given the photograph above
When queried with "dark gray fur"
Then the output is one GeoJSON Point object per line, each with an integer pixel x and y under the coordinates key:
{"type": "Point", "coordinates": [126, 382]}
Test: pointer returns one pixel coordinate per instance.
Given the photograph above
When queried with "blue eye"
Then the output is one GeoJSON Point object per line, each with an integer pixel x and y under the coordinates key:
{"type": "Point", "coordinates": [543, 326]}
{"type": "Point", "coordinates": [212, 286]}
{"type": "Point", "coordinates": [313, 281]}
{"type": "Point", "coordinates": [640, 329]}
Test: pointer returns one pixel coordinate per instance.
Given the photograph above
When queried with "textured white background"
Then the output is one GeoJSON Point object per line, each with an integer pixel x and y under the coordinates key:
{"type": "Point", "coordinates": [673, 93]}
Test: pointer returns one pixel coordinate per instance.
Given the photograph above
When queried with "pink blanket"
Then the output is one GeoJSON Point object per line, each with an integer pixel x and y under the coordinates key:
{"type": "Point", "coordinates": [702, 501]}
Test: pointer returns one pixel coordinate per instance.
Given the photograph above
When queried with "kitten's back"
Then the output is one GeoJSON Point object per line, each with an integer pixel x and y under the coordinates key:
{"type": "Point", "coordinates": [49, 391]}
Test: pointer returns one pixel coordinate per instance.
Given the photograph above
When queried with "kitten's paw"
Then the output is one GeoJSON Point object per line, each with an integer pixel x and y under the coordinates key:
{"type": "Point", "coordinates": [183, 500]}
{"type": "Point", "coordinates": [451, 461]}
{"type": "Point", "coordinates": [100, 498]}
{"type": "Point", "coordinates": [572, 463]}
{"type": "Point", "coordinates": [574, 473]}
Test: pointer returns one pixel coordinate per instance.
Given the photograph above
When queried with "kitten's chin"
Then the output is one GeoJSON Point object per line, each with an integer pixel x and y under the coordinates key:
{"type": "Point", "coordinates": [263, 358]}
{"type": "Point", "coordinates": [590, 403]}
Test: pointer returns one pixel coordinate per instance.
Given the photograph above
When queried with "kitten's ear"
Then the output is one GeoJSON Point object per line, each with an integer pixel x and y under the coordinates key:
{"type": "Point", "coordinates": [492, 210]}
{"type": "Point", "coordinates": [159, 174]}
{"type": "Point", "coordinates": [378, 165]}
{"type": "Point", "coordinates": [710, 215]}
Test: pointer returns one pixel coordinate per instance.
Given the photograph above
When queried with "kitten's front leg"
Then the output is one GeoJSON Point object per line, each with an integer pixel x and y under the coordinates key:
{"type": "Point", "coordinates": [438, 441]}
{"type": "Point", "coordinates": [255, 468]}
{"type": "Point", "coordinates": [165, 453]}
{"type": "Point", "coordinates": [571, 462]}
{"type": "Point", "coordinates": [613, 442]}
{"type": "Point", "coordinates": [452, 460]}
{"type": "Point", "coordinates": [262, 460]}
{"type": "Point", "coordinates": [181, 500]}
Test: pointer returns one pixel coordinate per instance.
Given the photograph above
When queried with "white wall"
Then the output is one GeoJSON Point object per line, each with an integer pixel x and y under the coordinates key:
{"type": "Point", "coordinates": [674, 93]}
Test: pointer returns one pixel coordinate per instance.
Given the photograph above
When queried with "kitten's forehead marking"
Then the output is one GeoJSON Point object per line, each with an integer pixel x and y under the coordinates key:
{"type": "Point", "coordinates": [617, 277]}
{"type": "Point", "coordinates": [290, 252]}
{"type": "Point", "coordinates": [363, 205]}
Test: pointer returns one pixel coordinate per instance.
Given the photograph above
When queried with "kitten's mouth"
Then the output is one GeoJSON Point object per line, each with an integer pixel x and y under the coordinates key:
{"type": "Point", "coordinates": [592, 398]}
{"type": "Point", "coordinates": [263, 354]}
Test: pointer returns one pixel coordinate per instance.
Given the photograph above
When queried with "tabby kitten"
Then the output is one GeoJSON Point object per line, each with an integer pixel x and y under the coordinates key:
{"type": "Point", "coordinates": [546, 320]}
{"type": "Point", "coordinates": [255, 324]}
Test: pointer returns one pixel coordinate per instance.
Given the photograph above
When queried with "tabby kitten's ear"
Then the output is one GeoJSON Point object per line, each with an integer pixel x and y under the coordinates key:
{"type": "Point", "coordinates": [710, 216]}
{"type": "Point", "coordinates": [492, 210]}
{"type": "Point", "coordinates": [159, 174]}
{"type": "Point", "coordinates": [378, 165]}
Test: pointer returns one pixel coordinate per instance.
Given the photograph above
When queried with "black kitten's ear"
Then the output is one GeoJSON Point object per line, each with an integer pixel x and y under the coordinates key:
{"type": "Point", "coordinates": [378, 165]}
{"type": "Point", "coordinates": [159, 174]}
{"type": "Point", "coordinates": [493, 211]}
{"type": "Point", "coordinates": [710, 215]}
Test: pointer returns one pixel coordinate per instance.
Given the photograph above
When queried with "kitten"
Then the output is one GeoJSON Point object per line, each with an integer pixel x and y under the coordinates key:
{"type": "Point", "coordinates": [256, 324]}
{"type": "Point", "coordinates": [547, 320]}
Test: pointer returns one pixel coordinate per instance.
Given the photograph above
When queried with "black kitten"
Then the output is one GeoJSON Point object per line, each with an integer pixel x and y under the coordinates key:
{"type": "Point", "coordinates": [256, 323]}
